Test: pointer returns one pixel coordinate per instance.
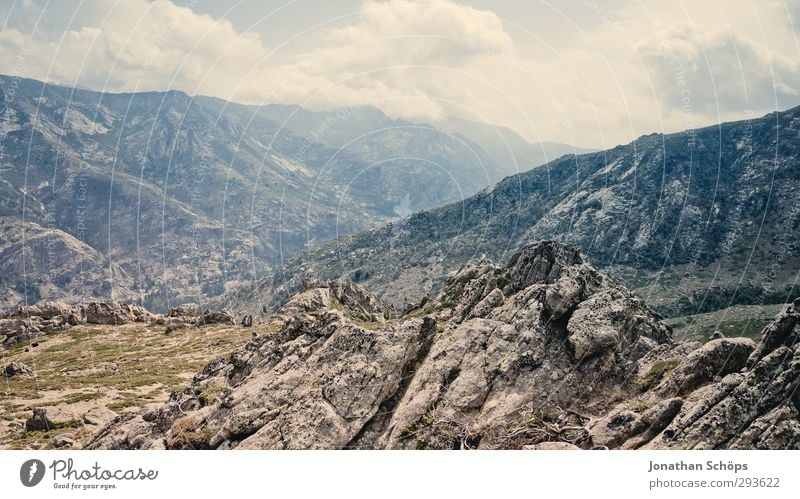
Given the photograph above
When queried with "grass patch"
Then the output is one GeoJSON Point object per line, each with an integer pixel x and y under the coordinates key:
{"type": "Point", "coordinates": [81, 397]}
{"type": "Point", "coordinates": [657, 372]}
{"type": "Point", "coordinates": [148, 364]}
{"type": "Point", "coordinates": [412, 431]}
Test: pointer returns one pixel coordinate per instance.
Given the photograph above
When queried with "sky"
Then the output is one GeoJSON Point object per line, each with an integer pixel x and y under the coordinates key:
{"type": "Point", "coordinates": [593, 73]}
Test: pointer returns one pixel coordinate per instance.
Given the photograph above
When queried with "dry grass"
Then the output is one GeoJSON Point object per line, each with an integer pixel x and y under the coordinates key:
{"type": "Point", "coordinates": [104, 366]}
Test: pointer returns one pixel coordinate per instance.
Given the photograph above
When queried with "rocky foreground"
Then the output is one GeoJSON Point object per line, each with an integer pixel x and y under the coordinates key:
{"type": "Point", "coordinates": [546, 352]}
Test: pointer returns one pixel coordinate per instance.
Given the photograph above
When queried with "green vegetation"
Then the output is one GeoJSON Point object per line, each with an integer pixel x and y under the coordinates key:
{"type": "Point", "coordinates": [741, 320]}
{"type": "Point", "coordinates": [413, 431]}
{"type": "Point", "coordinates": [657, 373]}
{"type": "Point", "coordinates": [209, 394]}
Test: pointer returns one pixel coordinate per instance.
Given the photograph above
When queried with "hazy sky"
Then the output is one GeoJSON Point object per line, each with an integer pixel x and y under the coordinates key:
{"type": "Point", "coordinates": [593, 73]}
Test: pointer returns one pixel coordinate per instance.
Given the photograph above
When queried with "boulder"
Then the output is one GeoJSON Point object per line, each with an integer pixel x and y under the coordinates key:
{"type": "Point", "coordinates": [542, 263]}
{"type": "Point", "coordinates": [215, 317]}
{"type": "Point", "coordinates": [18, 369]}
{"type": "Point", "coordinates": [64, 441]}
{"type": "Point", "coordinates": [337, 374]}
{"type": "Point", "coordinates": [175, 323]}
{"type": "Point", "coordinates": [39, 421]}
{"type": "Point", "coordinates": [99, 416]}
{"type": "Point", "coordinates": [185, 310]}
{"type": "Point", "coordinates": [532, 354]}
{"type": "Point", "coordinates": [109, 313]}
{"type": "Point", "coordinates": [48, 310]}
{"type": "Point", "coordinates": [713, 360]}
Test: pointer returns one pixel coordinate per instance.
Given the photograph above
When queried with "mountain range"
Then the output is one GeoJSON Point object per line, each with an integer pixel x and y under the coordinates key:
{"type": "Point", "coordinates": [694, 221]}
{"type": "Point", "coordinates": [161, 198]}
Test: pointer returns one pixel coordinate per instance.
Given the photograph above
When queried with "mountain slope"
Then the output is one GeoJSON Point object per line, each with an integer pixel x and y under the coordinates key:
{"type": "Point", "coordinates": [508, 148]}
{"type": "Point", "coordinates": [192, 195]}
{"type": "Point", "coordinates": [40, 264]}
{"type": "Point", "coordinates": [698, 221]}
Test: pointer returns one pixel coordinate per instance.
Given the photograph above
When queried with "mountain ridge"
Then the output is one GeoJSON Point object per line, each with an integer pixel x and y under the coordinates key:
{"type": "Point", "coordinates": [142, 177]}
{"type": "Point", "coordinates": [681, 207]}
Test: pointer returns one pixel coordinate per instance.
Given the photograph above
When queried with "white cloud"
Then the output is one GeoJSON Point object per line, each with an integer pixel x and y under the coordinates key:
{"type": "Point", "coordinates": [719, 71]}
{"type": "Point", "coordinates": [575, 77]}
{"type": "Point", "coordinates": [139, 46]}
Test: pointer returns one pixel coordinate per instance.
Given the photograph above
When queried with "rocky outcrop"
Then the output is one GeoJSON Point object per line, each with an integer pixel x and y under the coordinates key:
{"type": "Point", "coordinates": [344, 371]}
{"type": "Point", "coordinates": [215, 317]}
{"type": "Point", "coordinates": [116, 313]}
{"type": "Point", "coordinates": [729, 393]}
{"type": "Point", "coordinates": [30, 322]}
{"type": "Point", "coordinates": [755, 404]}
{"type": "Point", "coordinates": [25, 324]}
{"type": "Point", "coordinates": [39, 421]}
{"type": "Point", "coordinates": [185, 310]}
{"type": "Point", "coordinates": [543, 353]}
{"type": "Point", "coordinates": [19, 370]}
{"type": "Point", "coordinates": [64, 441]}
{"type": "Point", "coordinates": [99, 416]}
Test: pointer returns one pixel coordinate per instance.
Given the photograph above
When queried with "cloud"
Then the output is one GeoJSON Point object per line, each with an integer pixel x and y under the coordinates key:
{"type": "Point", "coordinates": [139, 46]}
{"type": "Point", "coordinates": [582, 74]}
{"type": "Point", "coordinates": [720, 70]}
{"type": "Point", "coordinates": [397, 55]}
{"type": "Point", "coordinates": [143, 45]}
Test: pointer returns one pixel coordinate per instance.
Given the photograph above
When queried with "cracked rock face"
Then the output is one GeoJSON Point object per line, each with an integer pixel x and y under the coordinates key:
{"type": "Point", "coordinates": [544, 353]}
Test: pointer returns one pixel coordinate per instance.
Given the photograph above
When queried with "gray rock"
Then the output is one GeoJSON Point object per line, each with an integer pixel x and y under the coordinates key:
{"type": "Point", "coordinates": [99, 416]}
{"type": "Point", "coordinates": [48, 310]}
{"type": "Point", "coordinates": [215, 317]}
{"type": "Point", "coordinates": [39, 421]}
{"type": "Point", "coordinates": [116, 313]}
{"type": "Point", "coordinates": [784, 331]}
{"type": "Point", "coordinates": [64, 441]}
{"type": "Point", "coordinates": [185, 310]}
{"type": "Point", "coordinates": [175, 323]}
{"type": "Point", "coordinates": [18, 369]}
{"type": "Point", "coordinates": [612, 319]}
{"type": "Point", "coordinates": [713, 360]}
{"type": "Point", "coordinates": [339, 375]}
{"type": "Point", "coordinates": [494, 367]}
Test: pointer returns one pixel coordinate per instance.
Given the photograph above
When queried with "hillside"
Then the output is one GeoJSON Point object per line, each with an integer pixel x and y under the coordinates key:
{"type": "Point", "coordinates": [190, 196]}
{"type": "Point", "coordinates": [695, 221]}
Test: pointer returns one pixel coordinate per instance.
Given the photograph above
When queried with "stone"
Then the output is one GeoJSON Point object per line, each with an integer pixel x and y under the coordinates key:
{"type": "Point", "coordinates": [185, 310]}
{"type": "Point", "coordinates": [247, 321]}
{"type": "Point", "coordinates": [18, 369]}
{"type": "Point", "coordinates": [337, 374]}
{"type": "Point", "coordinates": [39, 421]}
{"type": "Point", "coordinates": [116, 313]}
{"type": "Point", "coordinates": [613, 318]}
{"type": "Point", "coordinates": [64, 441]}
{"type": "Point", "coordinates": [48, 310]}
{"type": "Point", "coordinates": [713, 360]}
{"type": "Point", "coordinates": [175, 323]}
{"type": "Point", "coordinates": [530, 355]}
{"type": "Point", "coordinates": [99, 416]}
{"type": "Point", "coordinates": [542, 263]}
{"type": "Point", "coordinates": [215, 317]}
